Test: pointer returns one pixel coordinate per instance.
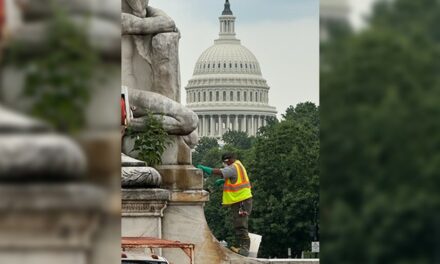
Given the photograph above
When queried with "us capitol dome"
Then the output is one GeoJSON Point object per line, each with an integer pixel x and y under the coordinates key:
{"type": "Point", "coordinates": [227, 90]}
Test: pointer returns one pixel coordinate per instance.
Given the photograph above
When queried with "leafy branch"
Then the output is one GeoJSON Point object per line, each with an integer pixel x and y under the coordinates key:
{"type": "Point", "coordinates": [152, 142]}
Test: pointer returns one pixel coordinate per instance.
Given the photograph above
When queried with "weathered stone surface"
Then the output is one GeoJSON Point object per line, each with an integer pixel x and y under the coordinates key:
{"type": "Point", "coordinates": [185, 221]}
{"type": "Point", "coordinates": [140, 177]}
{"type": "Point", "coordinates": [178, 177]}
{"type": "Point", "coordinates": [145, 194]}
{"type": "Point", "coordinates": [167, 74]}
{"type": "Point", "coordinates": [40, 158]}
{"type": "Point", "coordinates": [29, 152]}
{"type": "Point", "coordinates": [127, 161]}
{"type": "Point", "coordinates": [101, 149]}
{"type": "Point", "coordinates": [135, 174]}
{"type": "Point", "coordinates": [49, 216]}
{"type": "Point", "coordinates": [142, 56]}
{"type": "Point", "coordinates": [142, 211]}
{"type": "Point", "coordinates": [11, 122]}
{"type": "Point", "coordinates": [189, 196]}
{"type": "Point", "coordinates": [45, 224]}
{"type": "Point", "coordinates": [178, 152]}
{"type": "Point", "coordinates": [51, 197]}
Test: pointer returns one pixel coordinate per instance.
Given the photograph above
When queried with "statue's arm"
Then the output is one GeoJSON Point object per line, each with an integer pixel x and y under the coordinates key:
{"type": "Point", "coordinates": [176, 118]}
{"type": "Point", "coordinates": [155, 22]}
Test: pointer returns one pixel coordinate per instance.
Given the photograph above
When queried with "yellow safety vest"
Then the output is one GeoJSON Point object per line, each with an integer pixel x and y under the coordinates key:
{"type": "Point", "coordinates": [240, 190]}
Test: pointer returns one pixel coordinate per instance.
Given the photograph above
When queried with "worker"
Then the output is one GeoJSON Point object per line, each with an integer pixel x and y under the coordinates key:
{"type": "Point", "coordinates": [237, 194]}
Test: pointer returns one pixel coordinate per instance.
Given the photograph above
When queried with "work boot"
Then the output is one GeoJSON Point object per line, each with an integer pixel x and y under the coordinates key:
{"type": "Point", "coordinates": [235, 249]}
{"type": "Point", "coordinates": [245, 244]}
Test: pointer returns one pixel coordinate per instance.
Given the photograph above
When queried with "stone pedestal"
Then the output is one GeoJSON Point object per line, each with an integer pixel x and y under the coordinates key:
{"type": "Point", "coordinates": [184, 220]}
{"type": "Point", "coordinates": [142, 212]}
{"type": "Point", "coordinates": [175, 214]}
{"type": "Point", "coordinates": [181, 177]}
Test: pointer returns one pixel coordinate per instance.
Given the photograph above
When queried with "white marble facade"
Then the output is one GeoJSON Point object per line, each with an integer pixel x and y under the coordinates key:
{"type": "Point", "coordinates": [227, 90]}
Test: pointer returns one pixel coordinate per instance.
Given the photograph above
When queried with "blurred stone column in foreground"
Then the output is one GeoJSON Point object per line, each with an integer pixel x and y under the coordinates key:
{"type": "Point", "coordinates": [60, 193]}
{"type": "Point", "coordinates": [48, 212]}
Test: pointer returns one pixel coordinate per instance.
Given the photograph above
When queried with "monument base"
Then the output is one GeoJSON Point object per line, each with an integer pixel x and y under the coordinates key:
{"type": "Point", "coordinates": [175, 215]}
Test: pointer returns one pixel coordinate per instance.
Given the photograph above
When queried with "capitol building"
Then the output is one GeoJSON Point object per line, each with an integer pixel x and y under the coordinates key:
{"type": "Point", "coordinates": [227, 90]}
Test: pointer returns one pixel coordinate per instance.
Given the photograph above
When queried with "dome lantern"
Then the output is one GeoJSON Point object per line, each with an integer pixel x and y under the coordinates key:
{"type": "Point", "coordinates": [227, 24]}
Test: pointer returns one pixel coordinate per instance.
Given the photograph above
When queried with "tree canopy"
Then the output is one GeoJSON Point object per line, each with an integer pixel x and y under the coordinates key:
{"type": "Point", "coordinates": [380, 102]}
{"type": "Point", "coordinates": [282, 163]}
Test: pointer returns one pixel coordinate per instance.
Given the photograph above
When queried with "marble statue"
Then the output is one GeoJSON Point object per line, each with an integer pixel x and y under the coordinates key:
{"type": "Point", "coordinates": [150, 70]}
{"type": "Point", "coordinates": [149, 49]}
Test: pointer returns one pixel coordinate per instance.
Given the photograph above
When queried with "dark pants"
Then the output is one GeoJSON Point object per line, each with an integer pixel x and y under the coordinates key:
{"type": "Point", "coordinates": [241, 223]}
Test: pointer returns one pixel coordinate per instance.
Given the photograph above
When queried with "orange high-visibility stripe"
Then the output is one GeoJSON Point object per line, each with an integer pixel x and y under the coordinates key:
{"type": "Point", "coordinates": [240, 171]}
{"type": "Point", "coordinates": [234, 191]}
{"type": "Point", "coordinates": [236, 187]}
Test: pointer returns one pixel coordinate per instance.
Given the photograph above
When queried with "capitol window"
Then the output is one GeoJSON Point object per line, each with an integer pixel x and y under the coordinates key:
{"type": "Point", "coordinates": [217, 96]}
{"type": "Point", "coordinates": [204, 96]}
{"type": "Point", "coordinates": [198, 97]}
{"type": "Point", "coordinates": [238, 96]}
{"type": "Point", "coordinates": [208, 65]}
{"type": "Point", "coordinates": [219, 65]}
{"type": "Point", "coordinates": [231, 96]}
{"type": "Point", "coordinates": [210, 96]}
{"type": "Point", "coordinates": [224, 65]}
{"type": "Point", "coordinates": [224, 96]}
{"type": "Point", "coordinates": [244, 96]}
{"type": "Point", "coordinates": [236, 65]}
{"type": "Point", "coordinates": [241, 65]}
{"type": "Point", "coordinates": [230, 65]}
{"type": "Point", "coordinates": [246, 65]}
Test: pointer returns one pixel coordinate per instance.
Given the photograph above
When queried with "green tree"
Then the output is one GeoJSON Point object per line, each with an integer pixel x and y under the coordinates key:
{"type": "Point", "coordinates": [282, 163]}
{"type": "Point", "coordinates": [203, 147]}
{"type": "Point", "coordinates": [286, 183]}
{"type": "Point", "coordinates": [380, 102]}
{"type": "Point", "coordinates": [304, 113]}
{"type": "Point", "coordinates": [238, 139]}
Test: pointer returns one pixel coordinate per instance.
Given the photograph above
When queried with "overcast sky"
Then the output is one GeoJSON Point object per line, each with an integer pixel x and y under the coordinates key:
{"type": "Point", "coordinates": [283, 35]}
